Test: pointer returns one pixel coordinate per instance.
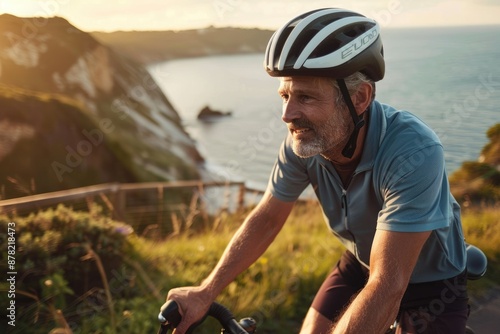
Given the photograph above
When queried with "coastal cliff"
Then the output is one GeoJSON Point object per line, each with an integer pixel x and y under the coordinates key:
{"type": "Point", "coordinates": [74, 112]}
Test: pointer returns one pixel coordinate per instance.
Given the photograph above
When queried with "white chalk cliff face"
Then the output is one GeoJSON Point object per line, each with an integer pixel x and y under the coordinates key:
{"type": "Point", "coordinates": [118, 97]}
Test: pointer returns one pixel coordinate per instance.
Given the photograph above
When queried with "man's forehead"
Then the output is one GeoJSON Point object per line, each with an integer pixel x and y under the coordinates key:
{"type": "Point", "coordinates": [298, 79]}
{"type": "Point", "coordinates": [304, 82]}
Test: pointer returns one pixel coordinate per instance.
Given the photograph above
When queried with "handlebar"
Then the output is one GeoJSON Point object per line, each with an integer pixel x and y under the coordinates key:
{"type": "Point", "coordinates": [170, 318]}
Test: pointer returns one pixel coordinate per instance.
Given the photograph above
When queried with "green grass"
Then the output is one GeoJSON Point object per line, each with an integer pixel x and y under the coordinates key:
{"type": "Point", "coordinates": [276, 290]}
{"type": "Point", "coordinates": [482, 228]}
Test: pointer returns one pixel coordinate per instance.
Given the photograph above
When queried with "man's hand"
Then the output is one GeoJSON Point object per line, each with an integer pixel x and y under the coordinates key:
{"type": "Point", "coordinates": [193, 304]}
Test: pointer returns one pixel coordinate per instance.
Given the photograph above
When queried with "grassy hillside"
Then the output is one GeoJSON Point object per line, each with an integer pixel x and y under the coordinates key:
{"type": "Point", "coordinates": [44, 147]}
{"type": "Point", "coordinates": [51, 142]}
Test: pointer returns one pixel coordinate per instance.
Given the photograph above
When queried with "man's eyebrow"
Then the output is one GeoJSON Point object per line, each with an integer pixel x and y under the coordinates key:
{"type": "Point", "coordinates": [300, 91]}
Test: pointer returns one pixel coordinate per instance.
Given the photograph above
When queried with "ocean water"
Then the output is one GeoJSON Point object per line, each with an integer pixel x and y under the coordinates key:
{"type": "Point", "coordinates": [449, 77]}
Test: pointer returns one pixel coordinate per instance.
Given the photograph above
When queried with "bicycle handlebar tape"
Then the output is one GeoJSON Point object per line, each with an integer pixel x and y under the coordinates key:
{"type": "Point", "coordinates": [169, 316]}
{"type": "Point", "coordinates": [226, 319]}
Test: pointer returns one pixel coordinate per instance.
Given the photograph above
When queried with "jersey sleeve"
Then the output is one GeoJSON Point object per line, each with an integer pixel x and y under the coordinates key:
{"type": "Point", "coordinates": [416, 192]}
{"type": "Point", "coordinates": [289, 175]}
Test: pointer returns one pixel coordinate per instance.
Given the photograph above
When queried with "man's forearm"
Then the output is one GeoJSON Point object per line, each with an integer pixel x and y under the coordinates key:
{"type": "Point", "coordinates": [248, 244]}
{"type": "Point", "coordinates": [372, 311]}
{"type": "Point", "coordinates": [243, 250]}
{"type": "Point", "coordinates": [391, 264]}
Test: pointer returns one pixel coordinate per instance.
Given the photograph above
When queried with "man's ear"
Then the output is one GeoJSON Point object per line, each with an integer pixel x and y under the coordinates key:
{"type": "Point", "coordinates": [363, 97]}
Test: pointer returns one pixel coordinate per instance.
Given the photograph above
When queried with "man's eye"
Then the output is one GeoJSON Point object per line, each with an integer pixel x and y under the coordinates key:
{"type": "Point", "coordinates": [305, 98]}
{"type": "Point", "coordinates": [284, 97]}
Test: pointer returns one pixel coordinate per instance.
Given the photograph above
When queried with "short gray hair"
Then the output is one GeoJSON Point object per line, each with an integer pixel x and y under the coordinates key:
{"type": "Point", "coordinates": [352, 82]}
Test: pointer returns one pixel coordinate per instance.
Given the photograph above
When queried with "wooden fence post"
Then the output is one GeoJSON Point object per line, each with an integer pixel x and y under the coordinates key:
{"type": "Point", "coordinates": [241, 197]}
{"type": "Point", "coordinates": [119, 204]}
{"type": "Point", "coordinates": [159, 217]}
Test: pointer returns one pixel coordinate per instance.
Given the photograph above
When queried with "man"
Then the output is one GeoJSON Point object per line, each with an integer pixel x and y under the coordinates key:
{"type": "Point", "coordinates": [379, 175]}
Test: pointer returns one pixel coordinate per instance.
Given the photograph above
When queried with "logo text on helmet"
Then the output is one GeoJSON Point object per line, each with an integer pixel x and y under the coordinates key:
{"type": "Point", "coordinates": [359, 44]}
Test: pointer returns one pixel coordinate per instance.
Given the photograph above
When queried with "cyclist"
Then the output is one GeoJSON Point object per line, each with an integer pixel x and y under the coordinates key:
{"type": "Point", "coordinates": [379, 175]}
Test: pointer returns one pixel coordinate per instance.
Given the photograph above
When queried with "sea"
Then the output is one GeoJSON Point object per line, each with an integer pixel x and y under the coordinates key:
{"type": "Point", "coordinates": [448, 76]}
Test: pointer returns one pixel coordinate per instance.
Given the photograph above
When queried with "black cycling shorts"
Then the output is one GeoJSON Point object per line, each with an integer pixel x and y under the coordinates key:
{"type": "Point", "coordinates": [431, 307]}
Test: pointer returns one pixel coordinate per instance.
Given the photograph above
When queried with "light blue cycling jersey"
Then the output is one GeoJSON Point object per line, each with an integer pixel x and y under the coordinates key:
{"type": "Point", "coordinates": [400, 184]}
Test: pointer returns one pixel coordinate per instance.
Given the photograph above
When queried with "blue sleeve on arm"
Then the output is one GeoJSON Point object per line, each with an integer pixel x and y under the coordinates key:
{"type": "Point", "coordinates": [416, 194]}
{"type": "Point", "coordinates": [289, 176]}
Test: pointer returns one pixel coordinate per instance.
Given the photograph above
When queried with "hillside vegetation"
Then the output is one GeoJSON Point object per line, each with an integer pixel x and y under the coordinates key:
{"type": "Point", "coordinates": [478, 182]}
{"type": "Point", "coordinates": [32, 125]}
{"type": "Point", "coordinates": [85, 272]}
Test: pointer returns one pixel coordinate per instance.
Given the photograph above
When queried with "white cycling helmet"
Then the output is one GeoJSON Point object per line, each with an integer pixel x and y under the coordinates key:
{"type": "Point", "coordinates": [329, 42]}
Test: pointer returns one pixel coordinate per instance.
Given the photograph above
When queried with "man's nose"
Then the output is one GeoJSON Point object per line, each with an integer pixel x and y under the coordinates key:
{"type": "Point", "coordinates": [291, 111]}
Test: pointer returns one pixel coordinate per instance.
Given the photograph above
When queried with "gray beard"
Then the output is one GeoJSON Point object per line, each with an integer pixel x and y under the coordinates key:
{"type": "Point", "coordinates": [327, 137]}
{"type": "Point", "coordinates": [307, 150]}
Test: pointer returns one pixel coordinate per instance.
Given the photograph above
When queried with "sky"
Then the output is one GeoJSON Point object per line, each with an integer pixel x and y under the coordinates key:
{"type": "Point", "coordinates": [113, 15]}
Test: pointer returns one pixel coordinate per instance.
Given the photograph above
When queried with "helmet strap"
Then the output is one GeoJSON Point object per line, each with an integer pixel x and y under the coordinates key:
{"type": "Point", "coordinates": [359, 122]}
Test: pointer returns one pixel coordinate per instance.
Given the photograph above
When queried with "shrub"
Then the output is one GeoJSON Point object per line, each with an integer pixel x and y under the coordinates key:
{"type": "Point", "coordinates": [61, 257]}
{"type": "Point", "coordinates": [478, 182]}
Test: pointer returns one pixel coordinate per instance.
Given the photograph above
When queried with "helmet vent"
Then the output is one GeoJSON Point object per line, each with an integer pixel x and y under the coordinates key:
{"type": "Point", "coordinates": [329, 45]}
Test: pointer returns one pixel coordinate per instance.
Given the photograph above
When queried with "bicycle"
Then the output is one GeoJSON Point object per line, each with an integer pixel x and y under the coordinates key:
{"type": "Point", "coordinates": [170, 317]}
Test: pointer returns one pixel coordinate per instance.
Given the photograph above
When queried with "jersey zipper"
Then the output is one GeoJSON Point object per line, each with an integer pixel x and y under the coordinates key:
{"type": "Point", "coordinates": [346, 219]}
{"type": "Point", "coordinates": [344, 206]}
